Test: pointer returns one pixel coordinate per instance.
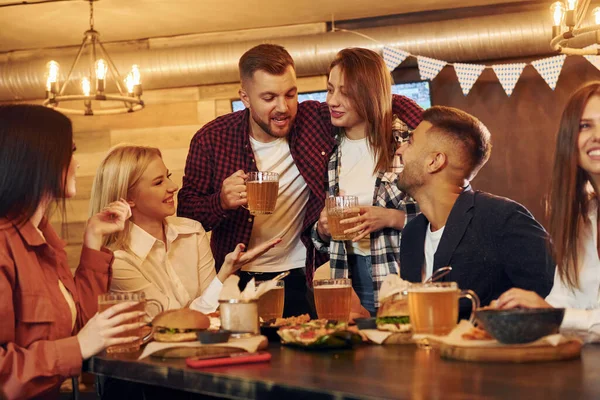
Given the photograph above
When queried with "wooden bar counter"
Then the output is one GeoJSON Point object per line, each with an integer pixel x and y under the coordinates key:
{"type": "Point", "coordinates": [367, 372]}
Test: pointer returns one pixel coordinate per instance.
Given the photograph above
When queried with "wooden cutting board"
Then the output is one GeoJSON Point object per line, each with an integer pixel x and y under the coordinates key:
{"type": "Point", "coordinates": [214, 350]}
{"type": "Point", "coordinates": [513, 353]}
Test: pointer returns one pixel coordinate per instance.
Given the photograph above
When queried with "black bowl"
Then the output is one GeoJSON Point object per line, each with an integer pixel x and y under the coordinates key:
{"type": "Point", "coordinates": [210, 337]}
{"type": "Point", "coordinates": [270, 332]}
{"type": "Point", "coordinates": [366, 323]}
{"type": "Point", "coordinates": [520, 325]}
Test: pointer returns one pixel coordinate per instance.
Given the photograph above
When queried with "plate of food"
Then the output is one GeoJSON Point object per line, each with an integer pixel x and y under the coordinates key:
{"type": "Point", "coordinates": [319, 334]}
{"type": "Point", "coordinates": [270, 328]}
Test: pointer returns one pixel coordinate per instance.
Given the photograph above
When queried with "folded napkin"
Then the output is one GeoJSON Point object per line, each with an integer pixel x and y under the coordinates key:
{"type": "Point", "coordinates": [250, 345]}
{"type": "Point", "coordinates": [375, 335]}
{"type": "Point", "coordinates": [231, 291]}
{"type": "Point", "coordinates": [454, 338]}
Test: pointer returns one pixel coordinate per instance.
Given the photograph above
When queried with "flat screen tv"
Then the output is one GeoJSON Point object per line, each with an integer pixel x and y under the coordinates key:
{"type": "Point", "coordinates": [418, 91]}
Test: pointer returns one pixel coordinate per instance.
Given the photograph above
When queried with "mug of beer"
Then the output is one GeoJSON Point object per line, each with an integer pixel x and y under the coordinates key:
{"type": "Point", "coordinates": [109, 299]}
{"type": "Point", "coordinates": [338, 208]}
{"type": "Point", "coordinates": [261, 190]}
{"type": "Point", "coordinates": [433, 307]}
{"type": "Point", "coordinates": [332, 298]}
{"type": "Point", "coordinates": [270, 304]}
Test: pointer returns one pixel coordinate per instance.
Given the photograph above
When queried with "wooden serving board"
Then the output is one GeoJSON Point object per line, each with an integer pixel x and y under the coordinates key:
{"type": "Point", "coordinates": [513, 353]}
{"type": "Point", "coordinates": [214, 350]}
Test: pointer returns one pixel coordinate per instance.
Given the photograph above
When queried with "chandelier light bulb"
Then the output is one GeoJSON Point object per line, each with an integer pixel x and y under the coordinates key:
{"type": "Point", "coordinates": [596, 13]}
{"type": "Point", "coordinates": [85, 86]}
{"type": "Point", "coordinates": [571, 5]}
{"type": "Point", "coordinates": [129, 83]}
{"type": "Point", "coordinates": [135, 74]}
{"type": "Point", "coordinates": [101, 69]}
{"type": "Point", "coordinates": [558, 12]}
{"type": "Point", "coordinates": [53, 68]}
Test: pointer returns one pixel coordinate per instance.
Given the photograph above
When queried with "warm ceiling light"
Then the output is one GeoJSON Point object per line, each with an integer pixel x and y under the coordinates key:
{"type": "Point", "coordinates": [568, 24]}
{"type": "Point", "coordinates": [101, 68]}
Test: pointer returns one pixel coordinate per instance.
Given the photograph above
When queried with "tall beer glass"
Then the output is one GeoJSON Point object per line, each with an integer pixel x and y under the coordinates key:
{"type": "Point", "coordinates": [338, 209]}
{"type": "Point", "coordinates": [109, 299]}
{"type": "Point", "coordinates": [270, 304]}
{"type": "Point", "coordinates": [433, 307]}
{"type": "Point", "coordinates": [332, 298]}
{"type": "Point", "coordinates": [261, 189]}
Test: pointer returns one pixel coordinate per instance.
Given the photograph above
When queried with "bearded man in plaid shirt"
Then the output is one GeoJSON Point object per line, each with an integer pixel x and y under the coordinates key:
{"type": "Point", "coordinates": [274, 133]}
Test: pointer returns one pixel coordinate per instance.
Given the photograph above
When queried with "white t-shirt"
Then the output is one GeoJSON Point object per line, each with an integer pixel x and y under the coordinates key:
{"type": "Point", "coordinates": [432, 241]}
{"type": "Point", "coordinates": [357, 179]}
{"type": "Point", "coordinates": [286, 221]}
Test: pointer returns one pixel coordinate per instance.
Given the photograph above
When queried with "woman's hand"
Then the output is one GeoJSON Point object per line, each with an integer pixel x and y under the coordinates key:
{"type": "Point", "coordinates": [514, 298]}
{"type": "Point", "coordinates": [323, 226]}
{"type": "Point", "coordinates": [102, 329]}
{"type": "Point", "coordinates": [237, 258]}
{"type": "Point", "coordinates": [373, 219]}
{"type": "Point", "coordinates": [110, 220]}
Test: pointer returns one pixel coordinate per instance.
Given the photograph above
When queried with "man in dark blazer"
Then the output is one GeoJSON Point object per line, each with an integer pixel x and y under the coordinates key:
{"type": "Point", "coordinates": [492, 243]}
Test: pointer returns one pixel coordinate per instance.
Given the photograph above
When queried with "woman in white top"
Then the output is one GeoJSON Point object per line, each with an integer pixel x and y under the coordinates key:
{"type": "Point", "coordinates": [167, 257]}
{"type": "Point", "coordinates": [574, 219]}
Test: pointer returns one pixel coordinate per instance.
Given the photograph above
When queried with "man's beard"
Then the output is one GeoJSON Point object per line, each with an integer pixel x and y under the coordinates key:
{"type": "Point", "coordinates": [267, 129]}
{"type": "Point", "coordinates": [409, 182]}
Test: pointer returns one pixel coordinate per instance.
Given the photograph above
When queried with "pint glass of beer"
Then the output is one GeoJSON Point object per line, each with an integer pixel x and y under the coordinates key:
{"type": "Point", "coordinates": [338, 209]}
{"type": "Point", "coordinates": [332, 298]}
{"type": "Point", "coordinates": [261, 190]}
{"type": "Point", "coordinates": [109, 299]}
{"type": "Point", "coordinates": [433, 307]}
{"type": "Point", "coordinates": [270, 304]}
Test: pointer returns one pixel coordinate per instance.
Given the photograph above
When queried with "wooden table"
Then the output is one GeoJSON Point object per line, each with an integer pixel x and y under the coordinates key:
{"type": "Point", "coordinates": [369, 371]}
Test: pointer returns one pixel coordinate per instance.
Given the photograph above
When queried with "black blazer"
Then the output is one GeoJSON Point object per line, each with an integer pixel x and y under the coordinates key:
{"type": "Point", "coordinates": [492, 244]}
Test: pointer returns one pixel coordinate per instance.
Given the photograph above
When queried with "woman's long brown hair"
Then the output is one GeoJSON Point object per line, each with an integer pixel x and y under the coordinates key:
{"type": "Point", "coordinates": [369, 86]}
{"type": "Point", "coordinates": [569, 193]}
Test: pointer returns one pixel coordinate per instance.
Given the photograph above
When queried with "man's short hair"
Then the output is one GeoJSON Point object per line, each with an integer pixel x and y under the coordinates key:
{"type": "Point", "coordinates": [271, 58]}
{"type": "Point", "coordinates": [464, 129]}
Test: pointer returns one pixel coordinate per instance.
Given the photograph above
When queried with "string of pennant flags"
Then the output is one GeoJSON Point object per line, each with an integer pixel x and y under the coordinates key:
{"type": "Point", "coordinates": [549, 68]}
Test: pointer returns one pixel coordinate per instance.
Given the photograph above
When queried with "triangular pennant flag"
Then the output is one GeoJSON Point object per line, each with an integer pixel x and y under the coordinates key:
{"type": "Point", "coordinates": [549, 68]}
{"type": "Point", "coordinates": [508, 75]}
{"type": "Point", "coordinates": [429, 67]}
{"type": "Point", "coordinates": [594, 60]}
{"type": "Point", "coordinates": [467, 75]}
{"type": "Point", "coordinates": [394, 57]}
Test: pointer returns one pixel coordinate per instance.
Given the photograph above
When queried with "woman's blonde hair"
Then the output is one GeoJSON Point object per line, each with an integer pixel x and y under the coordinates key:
{"type": "Point", "coordinates": [117, 175]}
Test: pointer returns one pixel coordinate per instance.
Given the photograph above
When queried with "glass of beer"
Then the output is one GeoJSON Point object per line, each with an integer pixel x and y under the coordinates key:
{"type": "Point", "coordinates": [338, 208]}
{"type": "Point", "coordinates": [332, 298]}
{"type": "Point", "coordinates": [270, 304]}
{"type": "Point", "coordinates": [433, 307]}
{"type": "Point", "coordinates": [261, 190]}
{"type": "Point", "coordinates": [109, 299]}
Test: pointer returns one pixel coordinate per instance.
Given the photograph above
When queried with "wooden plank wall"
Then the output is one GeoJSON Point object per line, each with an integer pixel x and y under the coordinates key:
{"type": "Point", "coordinates": [170, 119]}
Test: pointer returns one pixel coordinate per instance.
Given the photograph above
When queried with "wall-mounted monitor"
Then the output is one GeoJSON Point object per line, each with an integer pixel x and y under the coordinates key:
{"type": "Point", "coordinates": [418, 91]}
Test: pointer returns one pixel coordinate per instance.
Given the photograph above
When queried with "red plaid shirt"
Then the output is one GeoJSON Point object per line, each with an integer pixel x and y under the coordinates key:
{"type": "Point", "coordinates": [222, 147]}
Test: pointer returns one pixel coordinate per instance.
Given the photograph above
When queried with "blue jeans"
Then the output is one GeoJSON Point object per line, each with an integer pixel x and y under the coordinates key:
{"type": "Point", "coordinates": [361, 273]}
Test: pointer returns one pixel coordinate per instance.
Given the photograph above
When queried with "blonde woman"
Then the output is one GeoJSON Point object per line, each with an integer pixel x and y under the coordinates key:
{"type": "Point", "coordinates": [167, 257]}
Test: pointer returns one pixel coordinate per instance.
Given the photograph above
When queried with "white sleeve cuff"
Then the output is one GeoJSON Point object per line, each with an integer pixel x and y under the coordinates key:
{"type": "Point", "coordinates": [209, 300]}
{"type": "Point", "coordinates": [581, 320]}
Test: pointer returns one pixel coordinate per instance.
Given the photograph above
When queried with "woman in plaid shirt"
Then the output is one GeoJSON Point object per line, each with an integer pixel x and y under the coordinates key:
{"type": "Point", "coordinates": [359, 99]}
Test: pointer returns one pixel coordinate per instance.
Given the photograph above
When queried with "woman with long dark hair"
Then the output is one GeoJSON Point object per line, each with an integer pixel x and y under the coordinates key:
{"type": "Point", "coordinates": [360, 102]}
{"type": "Point", "coordinates": [49, 318]}
{"type": "Point", "coordinates": [573, 212]}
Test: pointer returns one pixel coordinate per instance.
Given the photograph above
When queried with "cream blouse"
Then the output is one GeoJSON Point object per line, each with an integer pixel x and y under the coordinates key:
{"type": "Point", "coordinates": [175, 273]}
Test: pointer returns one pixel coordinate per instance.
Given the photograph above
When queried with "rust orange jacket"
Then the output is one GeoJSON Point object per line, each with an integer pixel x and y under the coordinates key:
{"type": "Point", "coordinates": [38, 350]}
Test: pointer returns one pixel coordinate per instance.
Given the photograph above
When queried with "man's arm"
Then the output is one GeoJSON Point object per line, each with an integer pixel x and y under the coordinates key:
{"type": "Point", "coordinates": [526, 255]}
{"type": "Point", "coordinates": [199, 198]}
{"type": "Point", "coordinates": [407, 110]}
